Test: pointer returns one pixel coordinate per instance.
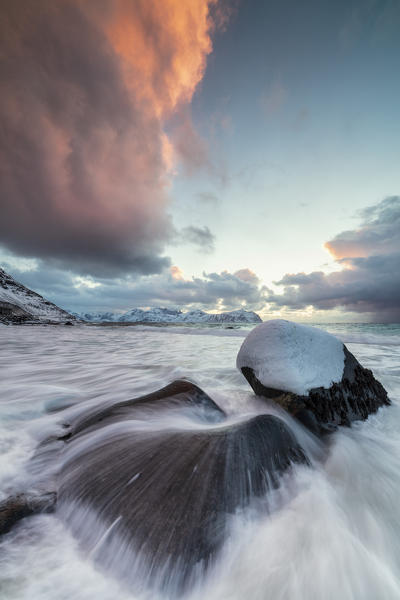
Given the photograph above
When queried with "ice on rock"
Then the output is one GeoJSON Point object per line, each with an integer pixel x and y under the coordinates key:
{"type": "Point", "coordinates": [293, 358]}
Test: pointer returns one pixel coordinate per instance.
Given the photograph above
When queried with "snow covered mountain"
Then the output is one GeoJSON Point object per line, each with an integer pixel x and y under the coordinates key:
{"type": "Point", "coordinates": [234, 316]}
{"type": "Point", "coordinates": [168, 315]}
{"type": "Point", "coordinates": [19, 304]}
{"type": "Point", "coordinates": [154, 315]}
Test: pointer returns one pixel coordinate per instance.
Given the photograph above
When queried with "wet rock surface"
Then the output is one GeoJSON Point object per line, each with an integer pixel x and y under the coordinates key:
{"type": "Point", "coordinates": [178, 394]}
{"type": "Point", "coordinates": [16, 507]}
{"type": "Point", "coordinates": [166, 496]}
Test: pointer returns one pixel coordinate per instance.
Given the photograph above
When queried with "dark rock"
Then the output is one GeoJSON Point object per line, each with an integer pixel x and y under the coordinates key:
{"type": "Point", "coordinates": [355, 397]}
{"type": "Point", "coordinates": [69, 323]}
{"type": "Point", "coordinates": [178, 394]}
{"type": "Point", "coordinates": [15, 508]}
{"type": "Point", "coordinates": [13, 311]}
{"type": "Point", "coordinates": [167, 495]}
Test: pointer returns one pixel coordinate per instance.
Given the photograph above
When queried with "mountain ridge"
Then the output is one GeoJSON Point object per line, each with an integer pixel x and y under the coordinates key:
{"type": "Point", "coordinates": [169, 315]}
{"type": "Point", "coordinates": [20, 304]}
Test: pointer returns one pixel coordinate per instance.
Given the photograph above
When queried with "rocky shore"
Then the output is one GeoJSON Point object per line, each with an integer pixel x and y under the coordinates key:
{"type": "Point", "coordinates": [165, 496]}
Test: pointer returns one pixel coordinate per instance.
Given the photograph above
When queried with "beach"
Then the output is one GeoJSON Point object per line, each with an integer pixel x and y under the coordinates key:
{"type": "Point", "coordinates": [332, 530]}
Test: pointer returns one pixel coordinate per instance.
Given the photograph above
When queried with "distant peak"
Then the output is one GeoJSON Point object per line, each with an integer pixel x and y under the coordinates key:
{"type": "Point", "coordinates": [171, 315]}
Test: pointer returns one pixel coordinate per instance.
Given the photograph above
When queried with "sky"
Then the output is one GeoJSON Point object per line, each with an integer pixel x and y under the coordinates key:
{"type": "Point", "coordinates": [213, 154]}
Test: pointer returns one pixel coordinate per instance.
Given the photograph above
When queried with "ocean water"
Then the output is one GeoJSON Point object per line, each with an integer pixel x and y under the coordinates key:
{"type": "Point", "coordinates": [334, 533]}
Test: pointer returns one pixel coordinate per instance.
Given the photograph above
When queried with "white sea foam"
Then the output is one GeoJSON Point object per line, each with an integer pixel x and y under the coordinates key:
{"type": "Point", "coordinates": [337, 537]}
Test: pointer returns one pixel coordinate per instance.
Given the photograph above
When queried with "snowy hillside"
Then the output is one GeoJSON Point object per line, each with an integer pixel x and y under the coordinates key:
{"type": "Point", "coordinates": [154, 315]}
{"type": "Point", "coordinates": [167, 315]}
{"type": "Point", "coordinates": [18, 304]}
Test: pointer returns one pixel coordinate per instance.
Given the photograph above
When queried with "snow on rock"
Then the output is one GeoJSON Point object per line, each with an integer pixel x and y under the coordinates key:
{"type": "Point", "coordinates": [309, 373]}
{"type": "Point", "coordinates": [292, 358]}
{"type": "Point", "coordinates": [20, 304]}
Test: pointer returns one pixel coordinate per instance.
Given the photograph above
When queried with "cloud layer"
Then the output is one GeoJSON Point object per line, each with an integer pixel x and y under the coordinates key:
{"type": "Point", "coordinates": [212, 291]}
{"type": "Point", "coordinates": [369, 281]}
{"type": "Point", "coordinates": [87, 87]}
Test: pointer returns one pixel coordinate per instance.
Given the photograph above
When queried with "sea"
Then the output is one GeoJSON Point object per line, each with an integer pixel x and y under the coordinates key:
{"type": "Point", "coordinates": [334, 535]}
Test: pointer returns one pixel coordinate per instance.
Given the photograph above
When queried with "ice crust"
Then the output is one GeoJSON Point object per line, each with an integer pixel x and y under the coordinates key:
{"type": "Point", "coordinates": [291, 357]}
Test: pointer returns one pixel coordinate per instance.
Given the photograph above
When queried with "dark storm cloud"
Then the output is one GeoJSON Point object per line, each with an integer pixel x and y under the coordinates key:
{"type": "Point", "coordinates": [369, 281]}
{"type": "Point", "coordinates": [213, 290]}
{"type": "Point", "coordinates": [84, 159]}
{"type": "Point", "coordinates": [379, 233]}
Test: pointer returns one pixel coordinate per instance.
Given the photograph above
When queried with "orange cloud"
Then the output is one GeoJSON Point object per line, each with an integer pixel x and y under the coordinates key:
{"type": "Point", "coordinates": [247, 275]}
{"type": "Point", "coordinates": [340, 249]}
{"type": "Point", "coordinates": [163, 46]}
{"type": "Point", "coordinates": [176, 273]}
{"type": "Point", "coordinates": [88, 86]}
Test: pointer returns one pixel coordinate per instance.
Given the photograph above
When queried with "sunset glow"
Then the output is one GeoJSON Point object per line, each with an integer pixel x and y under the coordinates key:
{"type": "Point", "coordinates": [217, 136]}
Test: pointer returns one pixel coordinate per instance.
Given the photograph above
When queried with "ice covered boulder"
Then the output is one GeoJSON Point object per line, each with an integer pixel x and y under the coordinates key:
{"type": "Point", "coordinates": [310, 373]}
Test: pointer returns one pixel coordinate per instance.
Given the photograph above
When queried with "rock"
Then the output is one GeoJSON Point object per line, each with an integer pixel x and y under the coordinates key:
{"type": "Point", "coordinates": [310, 373]}
{"type": "Point", "coordinates": [15, 508]}
{"type": "Point", "coordinates": [162, 499]}
{"type": "Point", "coordinates": [178, 394]}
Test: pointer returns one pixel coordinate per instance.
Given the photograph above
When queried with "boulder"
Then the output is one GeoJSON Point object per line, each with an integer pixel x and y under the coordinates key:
{"type": "Point", "coordinates": [179, 394]}
{"type": "Point", "coordinates": [310, 373]}
{"type": "Point", "coordinates": [153, 504]}
{"type": "Point", "coordinates": [15, 508]}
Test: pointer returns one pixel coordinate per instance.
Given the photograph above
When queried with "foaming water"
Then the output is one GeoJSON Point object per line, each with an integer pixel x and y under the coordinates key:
{"type": "Point", "coordinates": [332, 531]}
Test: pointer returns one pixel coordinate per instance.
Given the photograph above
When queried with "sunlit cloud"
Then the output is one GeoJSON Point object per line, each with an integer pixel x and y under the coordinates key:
{"type": "Point", "coordinates": [176, 273]}
{"type": "Point", "coordinates": [247, 275]}
{"type": "Point", "coordinates": [369, 279]}
{"type": "Point", "coordinates": [86, 282]}
{"type": "Point", "coordinates": [379, 233]}
{"type": "Point", "coordinates": [87, 90]}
